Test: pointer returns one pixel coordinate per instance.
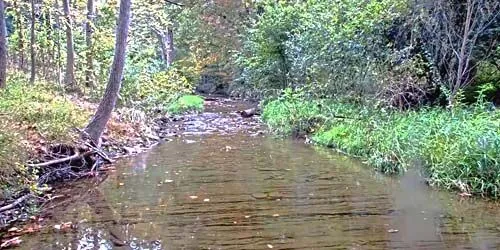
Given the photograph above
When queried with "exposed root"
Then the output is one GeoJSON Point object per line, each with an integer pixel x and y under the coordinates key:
{"type": "Point", "coordinates": [57, 161]}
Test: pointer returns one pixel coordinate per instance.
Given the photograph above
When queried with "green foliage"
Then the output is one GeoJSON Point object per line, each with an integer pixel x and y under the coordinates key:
{"type": "Point", "coordinates": [330, 45]}
{"type": "Point", "coordinates": [460, 149]}
{"type": "Point", "coordinates": [30, 115]}
{"type": "Point", "coordinates": [155, 91]}
{"type": "Point", "coordinates": [41, 107]}
{"type": "Point", "coordinates": [186, 103]}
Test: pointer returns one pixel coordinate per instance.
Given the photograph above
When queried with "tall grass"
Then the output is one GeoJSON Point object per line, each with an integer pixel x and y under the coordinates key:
{"type": "Point", "coordinates": [459, 148]}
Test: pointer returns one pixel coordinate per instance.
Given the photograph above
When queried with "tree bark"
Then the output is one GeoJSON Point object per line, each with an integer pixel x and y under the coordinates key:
{"type": "Point", "coordinates": [32, 43]}
{"type": "Point", "coordinates": [96, 126]}
{"type": "Point", "coordinates": [3, 46]}
{"type": "Point", "coordinates": [69, 78]}
{"type": "Point", "coordinates": [89, 73]}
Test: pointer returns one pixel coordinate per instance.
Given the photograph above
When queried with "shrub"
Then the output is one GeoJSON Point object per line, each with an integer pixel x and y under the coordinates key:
{"type": "Point", "coordinates": [156, 91]}
{"type": "Point", "coordinates": [186, 103]}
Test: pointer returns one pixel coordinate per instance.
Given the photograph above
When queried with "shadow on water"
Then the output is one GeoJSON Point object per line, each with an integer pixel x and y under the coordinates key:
{"type": "Point", "coordinates": [243, 192]}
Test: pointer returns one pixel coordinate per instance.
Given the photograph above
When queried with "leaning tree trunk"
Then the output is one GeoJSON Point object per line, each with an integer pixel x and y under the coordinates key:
{"type": "Point", "coordinates": [96, 126]}
{"type": "Point", "coordinates": [3, 47]}
{"type": "Point", "coordinates": [88, 40]}
{"type": "Point", "coordinates": [69, 78]}
{"type": "Point", "coordinates": [32, 42]}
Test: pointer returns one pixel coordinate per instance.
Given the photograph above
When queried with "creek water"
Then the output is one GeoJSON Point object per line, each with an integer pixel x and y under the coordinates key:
{"type": "Point", "coordinates": [243, 190]}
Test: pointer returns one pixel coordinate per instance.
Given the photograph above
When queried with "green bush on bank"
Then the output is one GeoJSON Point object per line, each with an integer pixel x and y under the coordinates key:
{"type": "Point", "coordinates": [186, 103]}
{"type": "Point", "coordinates": [459, 149]}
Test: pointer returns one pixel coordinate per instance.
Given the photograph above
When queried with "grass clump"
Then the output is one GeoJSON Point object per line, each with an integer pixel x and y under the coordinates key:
{"type": "Point", "coordinates": [186, 103]}
{"type": "Point", "coordinates": [459, 148]}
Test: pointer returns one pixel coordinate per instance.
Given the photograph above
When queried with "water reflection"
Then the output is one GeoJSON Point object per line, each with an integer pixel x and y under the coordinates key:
{"type": "Point", "coordinates": [241, 192]}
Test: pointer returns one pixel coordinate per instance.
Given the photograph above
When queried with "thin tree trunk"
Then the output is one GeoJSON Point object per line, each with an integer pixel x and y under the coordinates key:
{"type": "Point", "coordinates": [69, 78]}
{"type": "Point", "coordinates": [58, 56]}
{"type": "Point", "coordinates": [462, 58]}
{"type": "Point", "coordinates": [167, 45]}
{"type": "Point", "coordinates": [20, 34]}
{"type": "Point", "coordinates": [3, 47]}
{"type": "Point", "coordinates": [32, 42]}
{"type": "Point", "coordinates": [170, 46]}
{"type": "Point", "coordinates": [89, 74]}
{"type": "Point", "coordinates": [96, 126]}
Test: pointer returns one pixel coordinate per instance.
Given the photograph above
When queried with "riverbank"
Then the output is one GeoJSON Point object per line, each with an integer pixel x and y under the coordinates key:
{"type": "Point", "coordinates": [40, 128]}
{"type": "Point", "coordinates": [459, 149]}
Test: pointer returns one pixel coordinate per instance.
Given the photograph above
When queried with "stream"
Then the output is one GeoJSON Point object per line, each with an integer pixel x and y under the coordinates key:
{"type": "Point", "coordinates": [223, 184]}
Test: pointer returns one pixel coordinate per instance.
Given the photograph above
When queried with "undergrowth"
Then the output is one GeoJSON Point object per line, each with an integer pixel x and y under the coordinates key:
{"type": "Point", "coordinates": [459, 148]}
{"type": "Point", "coordinates": [31, 115]}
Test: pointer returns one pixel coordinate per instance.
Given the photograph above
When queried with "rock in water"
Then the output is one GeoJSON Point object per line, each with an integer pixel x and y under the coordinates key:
{"type": "Point", "coordinates": [248, 113]}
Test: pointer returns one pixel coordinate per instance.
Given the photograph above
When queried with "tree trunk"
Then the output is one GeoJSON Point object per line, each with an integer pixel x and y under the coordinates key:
{"type": "Point", "coordinates": [170, 46]}
{"type": "Point", "coordinates": [32, 42]}
{"type": "Point", "coordinates": [3, 47]}
{"type": "Point", "coordinates": [58, 42]}
{"type": "Point", "coordinates": [69, 78]}
{"type": "Point", "coordinates": [20, 34]}
{"type": "Point", "coordinates": [89, 74]}
{"type": "Point", "coordinates": [167, 45]}
{"type": "Point", "coordinates": [462, 58]}
{"type": "Point", "coordinates": [96, 126]}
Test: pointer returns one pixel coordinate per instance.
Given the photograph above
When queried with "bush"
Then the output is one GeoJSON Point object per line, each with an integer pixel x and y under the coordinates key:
{"type": "Point", "coordinates": [39, 106]}
{"type": "Point", "coordinates": [186, 103]}
{"type": "Point", "coordinates": [156, 91]}
{"type": "Point", "coordinates": [31, 115]}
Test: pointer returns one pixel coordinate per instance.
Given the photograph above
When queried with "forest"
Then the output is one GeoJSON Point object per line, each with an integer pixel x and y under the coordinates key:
{"type": "Point", "coordinates": [395, 83]}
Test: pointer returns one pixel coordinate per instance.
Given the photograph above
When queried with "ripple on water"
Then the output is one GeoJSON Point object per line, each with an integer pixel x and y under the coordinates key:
{"type": "Point", "coordinates": [243, 192]}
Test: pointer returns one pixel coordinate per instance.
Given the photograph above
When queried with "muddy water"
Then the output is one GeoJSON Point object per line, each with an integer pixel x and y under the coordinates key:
{"type": "Point", "coordinates": [247, 191]}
